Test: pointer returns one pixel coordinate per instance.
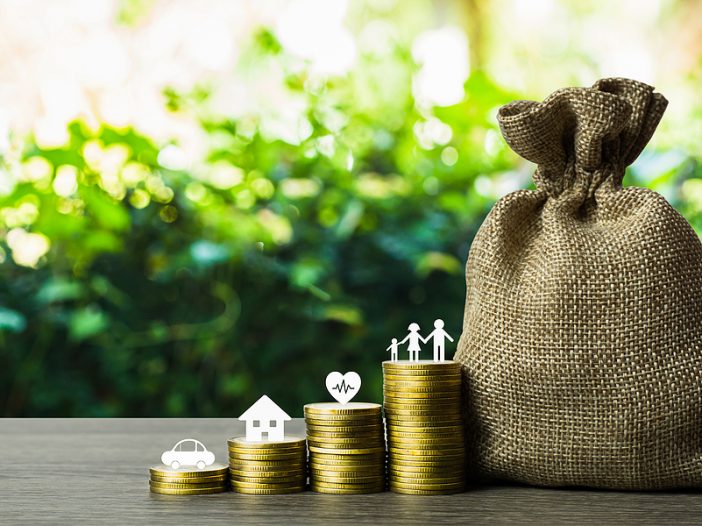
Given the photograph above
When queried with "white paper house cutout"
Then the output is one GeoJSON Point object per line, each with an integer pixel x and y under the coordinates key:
{"type": "Point", "coordinates": [265, 420]}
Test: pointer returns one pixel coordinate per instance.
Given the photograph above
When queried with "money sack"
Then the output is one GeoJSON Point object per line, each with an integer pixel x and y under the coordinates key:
{"type": "Point", "coordinates": [582, 334]}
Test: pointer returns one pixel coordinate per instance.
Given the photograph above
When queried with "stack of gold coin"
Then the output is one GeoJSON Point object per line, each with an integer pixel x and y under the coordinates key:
{"type": "Point", "coordinates": [188, 481]}
{"type": "Point", "coordinates": [347, 448]}
{"type": "Point", "coordinates": [268, 468]}
{"type": "Point", "coordinates": [426, 443]}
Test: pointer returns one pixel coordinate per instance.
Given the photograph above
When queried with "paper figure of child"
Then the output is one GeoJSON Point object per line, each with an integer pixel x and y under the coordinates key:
{"type": "Point", "coordinates": [393, 350]}
{"type": "Point", "coordinates": [439, 336]}
{"type": "Point", "coordinates": [414, 338]}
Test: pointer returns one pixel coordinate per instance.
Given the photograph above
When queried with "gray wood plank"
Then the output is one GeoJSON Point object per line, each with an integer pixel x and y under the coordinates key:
{"type": "Point", "coordinates": [95, 471]}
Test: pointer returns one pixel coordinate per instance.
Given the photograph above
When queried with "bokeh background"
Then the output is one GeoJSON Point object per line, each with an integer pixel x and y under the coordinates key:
{"type": "Point", "coordinates": [202, 202]}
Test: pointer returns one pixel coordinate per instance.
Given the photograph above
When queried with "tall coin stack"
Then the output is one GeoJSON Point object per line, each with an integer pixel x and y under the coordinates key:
{"type": "Point", "coordinates": [184, 481]}
{"type": "Point", "coordinates": [268, 468]}
{"type": "Point", "coordinates": [347, 447]}
{"type": "Point", "coordinates": [426, 444]}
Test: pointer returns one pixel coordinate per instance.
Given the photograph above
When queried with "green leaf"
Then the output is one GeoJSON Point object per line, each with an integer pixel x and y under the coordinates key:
{"type": "Point", "coordinates": [86, 323]}
{"type": "Point", "coordinates": [59, 289]}
{"type": "Point", "coordinates": [207, 253]}
{"type": "Point", "coordinates": [11, 320]}
{"type": "Point", "coordinates": [432, 261]}
{"type": "Point", "coordinates": [347, 314]}
{"type": "Point", "coordinates": [107, 212]}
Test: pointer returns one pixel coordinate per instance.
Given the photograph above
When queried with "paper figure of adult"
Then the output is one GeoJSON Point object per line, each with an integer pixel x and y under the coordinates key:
{"type": "Point", "coordinates": [414, 338]}
{"type": "Point", "coordinates": [439, 336]}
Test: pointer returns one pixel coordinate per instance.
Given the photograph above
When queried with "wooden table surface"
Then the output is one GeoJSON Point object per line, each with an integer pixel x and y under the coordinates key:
{"type": "Point", "coordinates": [56, 471]}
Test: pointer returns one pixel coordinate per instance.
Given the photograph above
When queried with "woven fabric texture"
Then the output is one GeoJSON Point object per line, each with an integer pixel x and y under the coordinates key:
{"type": "Point", "coordinates": [582, 336]}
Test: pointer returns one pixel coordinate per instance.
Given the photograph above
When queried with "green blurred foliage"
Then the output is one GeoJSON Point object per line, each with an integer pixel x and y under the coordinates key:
{"type": "Point", "coordinates": [172, 292]}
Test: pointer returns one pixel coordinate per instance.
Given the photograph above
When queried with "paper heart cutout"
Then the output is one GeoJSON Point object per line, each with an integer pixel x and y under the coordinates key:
{"type": "Point", "coordinates": [343, 387]}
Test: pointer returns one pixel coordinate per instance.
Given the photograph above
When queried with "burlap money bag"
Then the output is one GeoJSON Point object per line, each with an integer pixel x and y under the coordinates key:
{"type": "Point", "coordinates": [581, 344]}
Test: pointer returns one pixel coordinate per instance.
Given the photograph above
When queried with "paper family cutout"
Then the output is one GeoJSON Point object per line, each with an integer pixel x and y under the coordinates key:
{"type": "Point", "coordinates": [188, 452]}
{"type": "Point", "coordinates": [265, 421]}
{"type": "Point", "coordinates": [413, 340]}
{"type": "Point", "coordinates": [343, 387]}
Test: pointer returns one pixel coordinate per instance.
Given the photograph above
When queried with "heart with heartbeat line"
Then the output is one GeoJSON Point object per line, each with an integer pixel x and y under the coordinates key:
{"type": "Point", "coordinates": [343, 387]}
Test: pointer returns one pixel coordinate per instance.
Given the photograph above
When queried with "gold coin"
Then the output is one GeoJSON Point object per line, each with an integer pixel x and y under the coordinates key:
{"type": "Point", "coordinates": [422, 365]}
{"type": "Point", "coordinates": [340, 438]}
{"type": "Point", "coordinates": [426, 443]}
{"type": "Point", "coordinates": [447, 446]}
{"type": "Point", "coordinates": [427, 462]}
{"type": "Point", "coordinates": [291, 463]}
{"type": "Point", "coordinates": [345, 421]}
{"type": "Point", "coordinates": [346, 439]}
{"type": "Point", "coordinates": [429, 486]}
{"type": "Point", "coordinates": [355, 474]}
{"type": "Point", "coordinates": [286, 443]}
{"type": "Point", "coordinates": [406, 491]}
{"type": "Point", "coordinates": [278, 457]}
{"type": "Point", "coordinates": [421, 418]}
{"type": "Point", "coordinates": [341, 479]}
{"type": "Point", "coordinates": [425, 421]}
{"type": "Point", "coordinates": [429, 438]}
{"type": "Point", "coordinates": [334, 408]}
{"type": "Point", "coordinates": [437, 478]}
{"type": "Point", "coordinates": [410, 402]}
{"type": "Point", "coordinates": [261, 465]}
{"type": "Point", "coordinates": [236, 484]}
{"type": "Point", "coordinates": [345, 443]}
{"type": "Point", "coordinates": [375, 427]}
{"type": "Point", "coordinates": [420, 397]}
{"type": "Point", "coordinates": [435, 387]}
{"type": "Point", "coordinates": [299, 479]}
{"type": "Point", "coordinates": [347, 451]}
{"type": "Point", "coordinates": [371, 432]}
{"type": "Point", "coordinates": [330, 490]}
{"type": "Point", "coordinates": [418, 382]}
{"type": "Point", "coordinates": [368, 470]}
{"type": "Point", "coordinates": [421, 403]}
{"type": "Point", "coordinates": [442, 451]}
{"type": "Point", "coordinates": [345, 464]}
{"type": "Point", "coordinates": [188, 491]}
{"type": "Point", "coordinates": [428, 433]}
{"type": "Point", "coordinates": [270, 452]}
{"type": "Point", "coordinates": [453, 413]}
{"type": "Point", "coordinates": [276, 491]}
{"type": "Point", "coordinates": [448, 412]}
{"type": "Point", "coordinates": [421, 429]}
{"type": "Point", "coordinates": [344, 454]}
{"type": "Point", "coordinates": [418, 379]}
{"type": "Point", "coordinates": [191, 480]}
{"type": "Point", "coordinates": [416, 397]}
{"type": "Point", "coordinates": [421, 472]}
{"type": "Point", "coordinates": [429, 465]}
{"type": "Point", "coordinates": [416, 481]}
{"type": "Point", "coordinates": [268, 473]}
{"type": "Point", "coordinates": [255, 459]}
{"type": "Point", "coordinates": [428, 457]}
{"type": "Point", "coordinates": [176, 485]}
{"type": "Point", "coordinates": [346, 485]}
{"type": "Point", "coordinates": [188, 472]}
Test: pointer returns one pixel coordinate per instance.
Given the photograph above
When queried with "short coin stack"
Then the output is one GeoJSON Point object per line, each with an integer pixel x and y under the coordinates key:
{"type": "Point", "coordinates": [188, 481]}
{"type": "Point", "coordinates": [426, 444]}
{"type": "Point", "coordinates": [347, 448]}
{"type": "Point", "coordinates": [268, 468]}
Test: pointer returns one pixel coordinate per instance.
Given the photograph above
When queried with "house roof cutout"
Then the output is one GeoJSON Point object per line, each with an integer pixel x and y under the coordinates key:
{"type": "Point", "coordinates": [264, 409]}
